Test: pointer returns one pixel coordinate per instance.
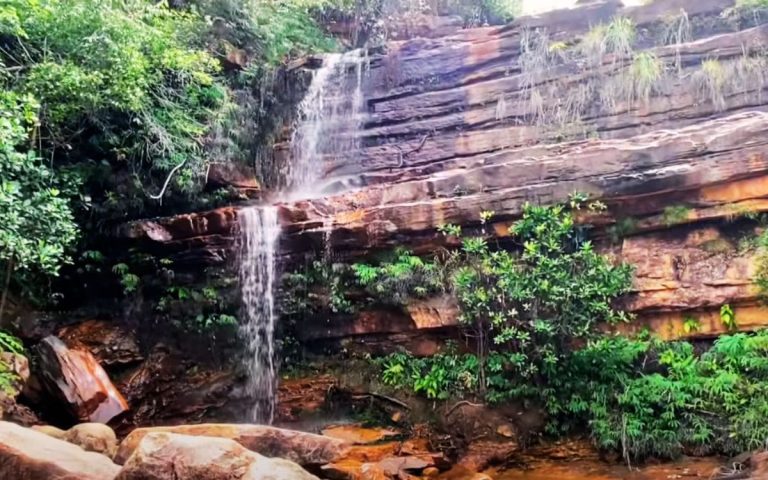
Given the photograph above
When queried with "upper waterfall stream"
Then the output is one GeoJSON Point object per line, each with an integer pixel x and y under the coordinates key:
{"type": "Point", "coordinates": [328, 120]}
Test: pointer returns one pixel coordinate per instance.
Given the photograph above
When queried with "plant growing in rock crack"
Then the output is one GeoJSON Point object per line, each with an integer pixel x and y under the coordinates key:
{"type": "Point", "coordinates": [8, 344]}
{"type": "Point", "coordinates": [616, 37]}
{"type": "Point", "coordinates": [710, 81]}
{"type": "Point", "coordinates": [677, 31]}
{"type": "Point", "coordinates": [622, 228]}
{"type": "Point", "coordinates": [644, 75]}
{"type": "Point", "coordinates": [405, 276]}
{"type": "Point", "coordinates": [675, 214]}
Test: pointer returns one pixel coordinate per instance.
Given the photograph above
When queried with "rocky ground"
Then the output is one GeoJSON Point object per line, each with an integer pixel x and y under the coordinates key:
{"type": "Point", "coordinates": [90, 451]}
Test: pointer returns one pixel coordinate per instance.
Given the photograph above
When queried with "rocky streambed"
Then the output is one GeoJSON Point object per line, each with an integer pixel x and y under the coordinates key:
{"type": "Point", "coordinates": [254, 452]}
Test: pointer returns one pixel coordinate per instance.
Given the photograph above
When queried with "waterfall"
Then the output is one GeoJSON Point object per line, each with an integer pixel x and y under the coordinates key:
{"type": "Point", "coordinates": [327, 128]}
{"type": "Point", "coordinates": [259, 235]}
{"type": "Point", "coordinates": [329, 119]}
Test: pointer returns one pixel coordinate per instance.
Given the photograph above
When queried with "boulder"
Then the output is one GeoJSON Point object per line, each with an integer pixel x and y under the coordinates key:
{"type": "Point", "coordinates": [26, 454]}
{"type": "Point", "coordinates": [51, 431]}
{"type": "Point", "coordinates": [306, 449]}
{"type": "Point", "coordinates": [169, 456]}
{"type": "Point", "coordinates": [758, 464]}
{"type": "Point", "coordinates": [93, 437]}
{"type": "Point", "coordinates": [77, 380]}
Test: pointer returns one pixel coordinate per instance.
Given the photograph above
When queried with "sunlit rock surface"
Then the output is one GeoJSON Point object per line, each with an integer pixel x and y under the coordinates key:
{"type": "Point", "coordinates": [29, 455]}
{"type": "Point", "coordinates": [170, 456]}
{"type": "Point", "coordinates": [300, 447]}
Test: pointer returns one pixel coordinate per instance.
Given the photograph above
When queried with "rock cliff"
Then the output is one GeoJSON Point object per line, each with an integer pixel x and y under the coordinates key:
{"type": "Point", "coordinates": [491, 118]}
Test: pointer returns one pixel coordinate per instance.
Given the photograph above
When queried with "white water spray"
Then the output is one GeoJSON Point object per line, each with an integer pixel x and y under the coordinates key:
{"type": "Point", "coordinates": [327, 128]}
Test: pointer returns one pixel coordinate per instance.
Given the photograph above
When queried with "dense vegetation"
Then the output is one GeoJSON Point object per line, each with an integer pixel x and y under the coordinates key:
{"type": "Point", "coordinates": [533, 316]}
{"type": "Point", "coordinates": [111, 111]}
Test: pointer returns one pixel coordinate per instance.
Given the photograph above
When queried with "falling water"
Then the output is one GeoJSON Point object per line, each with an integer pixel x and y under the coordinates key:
{"type": "Point", "coordinates": [329, 117]}
{"type": "Point", "coordinates": [259, 235]}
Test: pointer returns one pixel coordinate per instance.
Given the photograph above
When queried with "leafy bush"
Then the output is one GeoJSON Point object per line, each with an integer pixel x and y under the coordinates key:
{"type": "Point", "coordinates": [124, 77]}
{"type": "Point", "coordinates": [8, 343]}
{"type": "Point", "coordinates": [438, 377]}
{"type": "Point", "coordinates": [406, 276]}
{"type": "Point", "coordinates": [641, 397]}
{"type": "Point", "coordinates": [38, 226]}
{"type": "Point", "coordinates": [532, 305]}
{"type": "Point", "coordinates": [709, 403]}
{"type": "Point", "coordinates": [271, 30]}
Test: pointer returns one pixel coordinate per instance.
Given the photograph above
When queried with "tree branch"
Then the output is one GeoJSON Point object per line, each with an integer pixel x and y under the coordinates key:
{"type": "Point", "coordinates": [159, 196]}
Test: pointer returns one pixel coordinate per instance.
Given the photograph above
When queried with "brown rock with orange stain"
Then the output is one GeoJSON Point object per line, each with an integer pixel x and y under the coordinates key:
{"type": "Point", "coordinates": [109, 342]}
{"type": "Point", "coordinates": [483, 454]}
{"type": "Point", "coordinates": [298, 396]}
{"type": "Point", "coordinates": [76, 379]}
{"type": "Point", "coordinates": [358, 434]}
{"type": "Point", "coordinates": [300, 447]}
{"type": "Point", "coordinates": [684, 276]}
{"type": "Point", "coordinates": [230, 174]}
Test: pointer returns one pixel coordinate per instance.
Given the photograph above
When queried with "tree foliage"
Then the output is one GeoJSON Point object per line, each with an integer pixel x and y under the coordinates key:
{"type": "Point", "coordinates": [531, 305]}
{"type": "Point", "coordinates": [38, 224]}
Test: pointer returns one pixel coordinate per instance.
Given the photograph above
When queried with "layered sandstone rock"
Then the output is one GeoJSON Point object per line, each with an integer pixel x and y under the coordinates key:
{"type": "Point", "coordinates": [451, 131]}
{"type": "Point", "coordinates": [303, 448]}
{"type": "Point", "coordinates": [29, 455]}
{"type": "Point", "coordinates": [170, 456]}
{"type": "Point", "coordinates": [77, 380]}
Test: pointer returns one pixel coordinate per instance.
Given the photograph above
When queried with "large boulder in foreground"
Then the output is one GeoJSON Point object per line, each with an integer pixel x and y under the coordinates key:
{"type": "Point", "coordinates": [306, 449]}
{"type": "Point", "coordinates": [169, 456]}
{"type": "Point", "coordinates": [77, 380]}
{"type": "Point", "coordinates": [26, 454]}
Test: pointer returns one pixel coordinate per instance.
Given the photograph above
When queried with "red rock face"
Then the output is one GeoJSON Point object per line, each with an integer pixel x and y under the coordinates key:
{"type": "Point", "coordinates": [77, 380]}
{"type": "Point", "coordinates": [438, 148]}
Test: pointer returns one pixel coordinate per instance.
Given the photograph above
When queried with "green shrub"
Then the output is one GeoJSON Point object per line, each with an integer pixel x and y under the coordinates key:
{"type": "Point", "coordinates": [675, 214]}
{"type": "Point", "coordinates": [404, 277]}
{"type": "Point", "coordinates": [38, 226]}
{"type": "Point", "coordinates": [640, 397]}
{"type": "Point", "coordinates": [531, 305]}
{"type": "Point", "coordinates": [8, 343]}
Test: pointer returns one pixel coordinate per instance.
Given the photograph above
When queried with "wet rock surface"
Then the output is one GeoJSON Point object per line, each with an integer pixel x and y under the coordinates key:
{"type": "Point", "coordinates": [111, 343]}
{"type": "Point", "coordinates": [77, 380]}
{"type": "Point", "coordinates": [449, 133]}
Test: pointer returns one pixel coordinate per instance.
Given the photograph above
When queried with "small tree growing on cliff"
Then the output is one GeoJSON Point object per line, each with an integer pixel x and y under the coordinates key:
{"type": "Point", "coordinates": [37, 223]}
{"type": "Point", "coordinates": [528, 307]}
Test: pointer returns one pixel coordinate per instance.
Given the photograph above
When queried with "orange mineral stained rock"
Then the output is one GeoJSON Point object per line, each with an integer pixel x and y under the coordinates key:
{"type": "Point", "coordinates": [76, 379]}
